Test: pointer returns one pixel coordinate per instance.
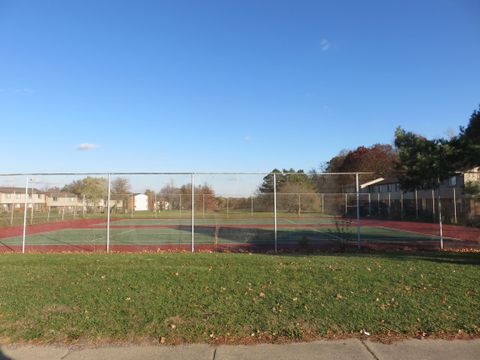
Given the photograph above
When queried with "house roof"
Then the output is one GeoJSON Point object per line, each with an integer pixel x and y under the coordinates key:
{"type": "Point", "coordinates": [18, 190]}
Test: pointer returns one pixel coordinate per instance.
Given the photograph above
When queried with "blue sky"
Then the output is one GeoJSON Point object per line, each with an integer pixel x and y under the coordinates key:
{"type": "Point", "coordinates": [227, 85]}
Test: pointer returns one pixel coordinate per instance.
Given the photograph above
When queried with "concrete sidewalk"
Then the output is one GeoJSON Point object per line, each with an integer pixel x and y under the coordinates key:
{"type": "Point", "coordinates": [347, 349]}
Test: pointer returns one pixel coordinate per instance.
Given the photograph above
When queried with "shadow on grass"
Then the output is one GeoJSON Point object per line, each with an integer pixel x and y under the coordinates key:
{"type": "Point", "coordinates": [445, 257]}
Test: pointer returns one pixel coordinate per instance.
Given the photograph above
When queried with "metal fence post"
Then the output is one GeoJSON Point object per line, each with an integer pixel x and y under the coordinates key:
{"type": "Point", "coordinates": [275, 208]}
{"type": "Point", "coordinates": [454, 205]}
{"type": "Point", "coordinates": [299, 205]}
{"type": "Point", "coordinates": [433, 204]}
{"type": "Point", "coordinates": [25, 217]}
{"type": "Point", "coordinates": [440, 222]}
{"type": "Point", "coordinates": [108, 213]}
{"type": "Point", "coordinates": [193, 212]}
{"type": "Point", "coordinates": [389, 203]}
{"type": "Point", "coordinates": [378, 204]}
{"type": "Point", "coordinates": [346, 203]}
{"type": "Point", "coordinates": [416, 204]}
{"type": "Point", "coordinates": [251, 205]}
{"type": "Point", "coordinates": [401, 205]}
{"type": "Point", "coordinates": [357, 188]}
{"type": "Point", "coordinates": [369, 204]}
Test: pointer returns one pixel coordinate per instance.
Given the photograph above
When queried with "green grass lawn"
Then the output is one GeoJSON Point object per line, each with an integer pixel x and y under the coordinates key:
{"type": "Point", "coordinates": [204, 297]}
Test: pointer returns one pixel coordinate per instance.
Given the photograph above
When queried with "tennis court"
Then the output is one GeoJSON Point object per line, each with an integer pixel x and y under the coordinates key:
{"type": "Point", "coordinates": [239, 232]}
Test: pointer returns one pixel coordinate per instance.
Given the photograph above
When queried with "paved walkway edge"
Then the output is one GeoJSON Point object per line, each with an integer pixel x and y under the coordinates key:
{"type": "Point", "coordinates": [345, 349]}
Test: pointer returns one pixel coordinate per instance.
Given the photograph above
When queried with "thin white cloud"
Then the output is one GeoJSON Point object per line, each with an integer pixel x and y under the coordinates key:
{"type": "Point", "coordinates": [325, 44]}
{"type": "Point", "coordinates": [247, 138]}
{"type": "Point", "coordinates": [18, 91]}
{"type": "Point", "coordinates": [87, 146]}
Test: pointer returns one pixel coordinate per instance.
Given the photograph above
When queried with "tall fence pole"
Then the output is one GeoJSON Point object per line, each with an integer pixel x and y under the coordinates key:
{"type": "Point", "coordinates": [454, 205]}
{"type": "Point", "coordinates": [25, 217]}
{"type": "Point", "coordinates": [193, 212]}
{"type": "Point", "coordinates": [433, 204]}
{"type": "Point", "coordinates": [108, 212]}
{"type": "Point", "coordinates": [251, 205]}
{"type": "Point", "coordinates": [357, 188]}
{"type": "Point", "coordinates": [275, 209]}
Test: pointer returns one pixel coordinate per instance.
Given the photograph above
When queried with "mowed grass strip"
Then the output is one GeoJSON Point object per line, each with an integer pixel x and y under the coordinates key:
{"type": "Point", "coordinates": [203, 297]}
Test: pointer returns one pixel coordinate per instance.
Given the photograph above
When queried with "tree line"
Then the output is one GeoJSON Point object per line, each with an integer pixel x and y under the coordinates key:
{"type": "Point", "coordinates": [417, 162]}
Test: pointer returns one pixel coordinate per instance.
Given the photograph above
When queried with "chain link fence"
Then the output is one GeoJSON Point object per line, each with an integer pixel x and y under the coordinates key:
{"type": "Point", "coordinates": [233, 212]}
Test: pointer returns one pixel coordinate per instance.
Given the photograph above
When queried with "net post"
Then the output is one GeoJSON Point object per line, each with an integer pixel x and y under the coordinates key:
{"type": "Point", "coordinates": [369, 204]}
{"type": "Point", "coordinates": [155, 203]}
{"type": "Point", "coordinates": [378, 204]}
{"type": "Point", "coordinates": [180, 204]}
{"type": "Point", "coordinates": [275, 209]}
{"type": "Point", "coordinates": [401, 205]}
{"type": "Point", "coordinates": [25, 216]}
{"type": "Point", "coordinates": [357, 189]}
{"type": "Point", "coordinates": [389, 203]}
{"type": "Point", "coordinates": [433, 204]}
{"type": "Point", "coordinates": [108, 212]}
{"type": "Point", "coordinates": [416, 204]}
{"type": "Point", "coordinates": [299, 205]}
{"type": "Point", "coordinates": [193, 212]}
